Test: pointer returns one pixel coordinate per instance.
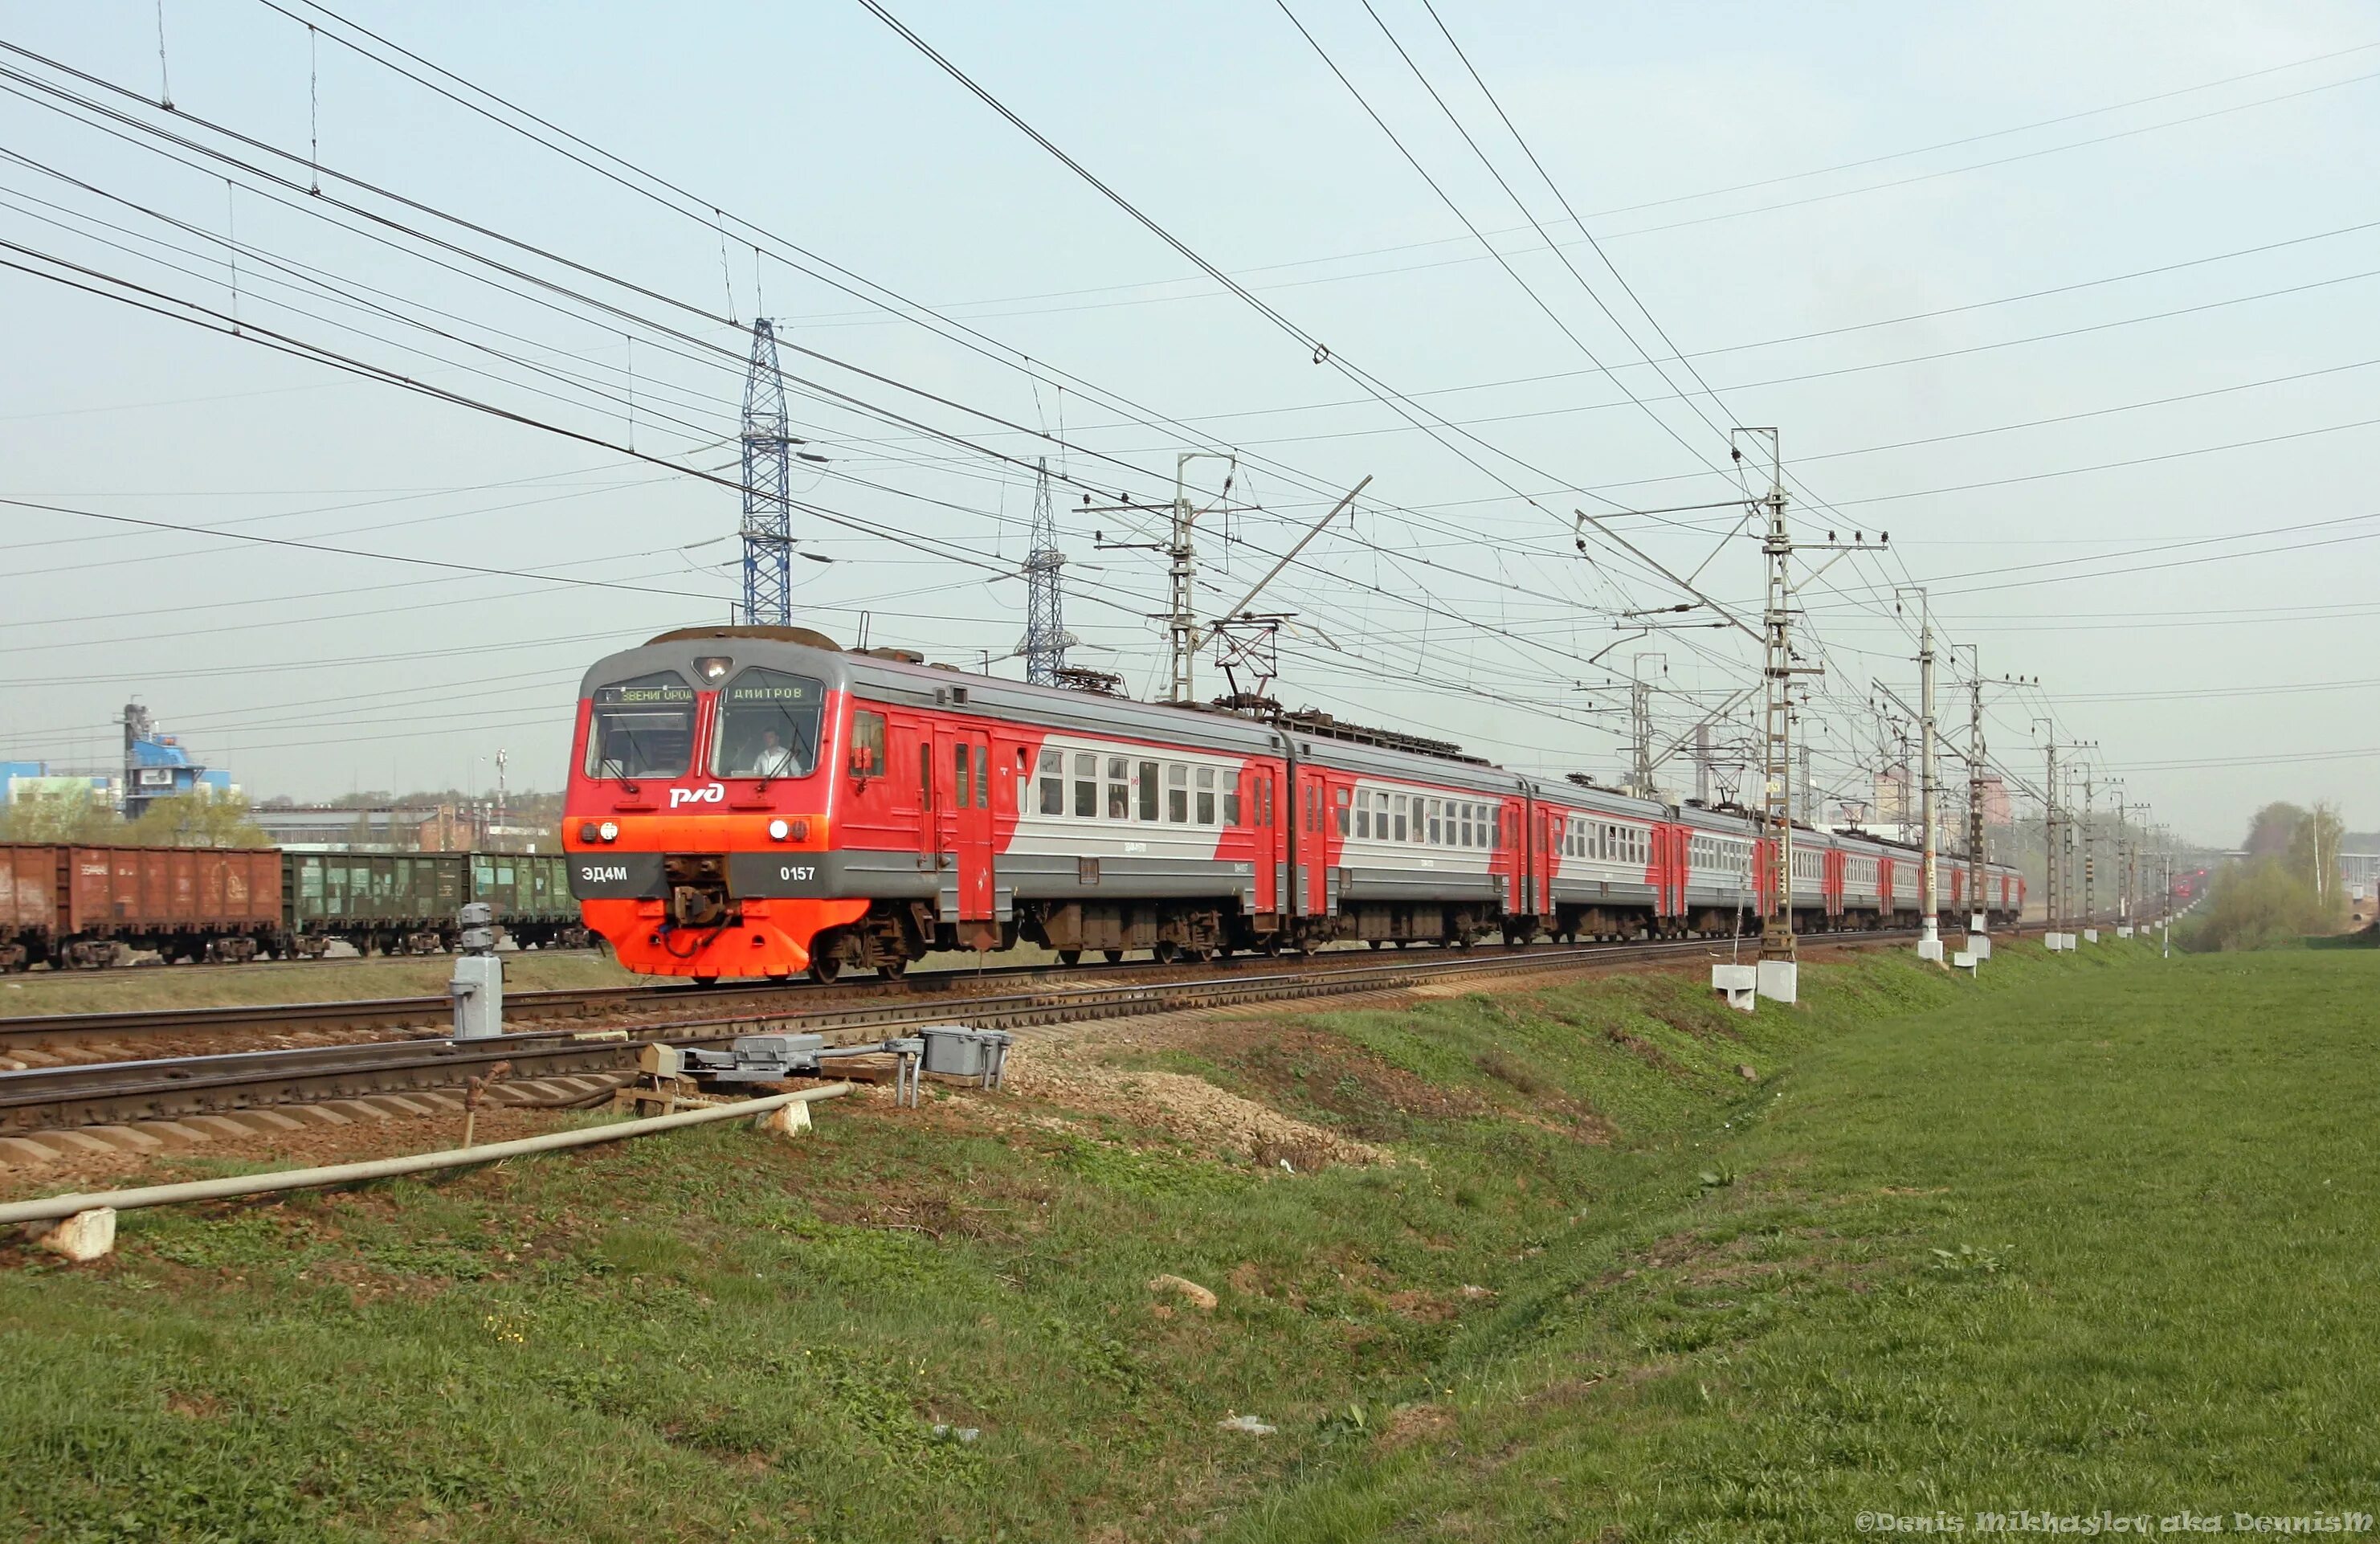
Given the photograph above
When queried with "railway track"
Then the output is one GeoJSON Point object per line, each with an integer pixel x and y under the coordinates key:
{"type": "Point", "coordinates": [194, 1026]}
{"type": "Point", "coordinates": [109, 1094]}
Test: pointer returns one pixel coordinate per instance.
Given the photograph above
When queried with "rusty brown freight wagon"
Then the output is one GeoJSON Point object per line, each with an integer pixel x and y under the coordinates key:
{"type": "Point", "coordinates": [76, 906]}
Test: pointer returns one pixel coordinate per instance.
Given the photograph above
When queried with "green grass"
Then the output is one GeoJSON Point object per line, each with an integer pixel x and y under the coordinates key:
{"type": "Point", "coordinates": [2089, 1232]}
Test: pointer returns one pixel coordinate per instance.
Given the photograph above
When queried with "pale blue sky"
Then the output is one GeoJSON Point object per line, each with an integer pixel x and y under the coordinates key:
{"type": "Point", "coordinates": [816, 122]}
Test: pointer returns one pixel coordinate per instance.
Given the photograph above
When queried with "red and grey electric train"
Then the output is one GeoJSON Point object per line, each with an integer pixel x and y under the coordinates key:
{"type": "Point", "coordinates": [755, 802]}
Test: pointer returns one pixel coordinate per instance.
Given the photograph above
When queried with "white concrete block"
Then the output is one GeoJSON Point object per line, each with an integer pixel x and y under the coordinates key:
{"type": "Point", "coordinates": [1980, 945]}
{"type": "Point", "coordinates": [2090, 935]}
{"type": "Point", "coordinates": [84, 1237]}
{"type": "Point", "coordinates": [1964, 959]}
{"type": "Point", "coordinates": [1780, 979]}
{"type": "Point", "coordinates": [1738, 983]}
{"type": "Point", "coordinates": [2124, 931]}
{"type": "Point", "coordinates": [786, 1120]}
{"type": "Point", "coordinates": [1979, 923]}
{"type": "Point", "coordinates": [1930, 949]}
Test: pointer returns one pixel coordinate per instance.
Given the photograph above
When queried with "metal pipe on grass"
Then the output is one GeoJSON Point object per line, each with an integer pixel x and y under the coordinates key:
{"type": "Point", "coordinates": [51, 1209]}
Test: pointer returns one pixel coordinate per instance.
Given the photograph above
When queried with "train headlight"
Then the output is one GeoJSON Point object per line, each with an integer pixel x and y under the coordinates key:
{"type": "Point", "coordinates": [779, 830]}
{"type": "Point", "coordinates": [713, 667]}
{"type": "Point", "coordinates": [587, 831]}
{"type": "Point", "coordinates": [608, 830]}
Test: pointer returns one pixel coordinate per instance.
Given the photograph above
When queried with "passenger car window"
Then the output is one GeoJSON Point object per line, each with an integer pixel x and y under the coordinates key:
{"type": "Point", "coordinates": [641, 728]}
{"type": "Point", "coordinates": [768, 725]}
{"type": "Point", "coordinates": [1206, 810]}
{"type": "Point", "coordinates": [1177, 794]}
{"type": "Point", "coordinates": [1148, 790]}
{"type": "Point", "coordinates": [1119, 788]}
{"type": "Point", "coordinates": [1086, 787]}
{"type": "Point", "coordinates": [1053, 783]}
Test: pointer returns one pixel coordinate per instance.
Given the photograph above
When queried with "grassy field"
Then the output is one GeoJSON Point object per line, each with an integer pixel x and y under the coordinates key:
{"type": "Point", "coordinates": [2091, 1233]}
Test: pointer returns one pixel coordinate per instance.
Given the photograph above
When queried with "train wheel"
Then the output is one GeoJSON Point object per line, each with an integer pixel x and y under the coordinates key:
{"type": "Point", "coordinates": [892, 970]}
{"type": "Point", "coordinates": [824, 969]}
{"type": "Point", "coordinates": [1222, 951]}
{"type": "Point", "coordinates": [1272, 946]}
{"type": "Point", "coordinates": [1070, 956]}
{"type": "Point", "coordinates": [1114, 956]}
{"type": "Point", "coordinates": [1166, 951]}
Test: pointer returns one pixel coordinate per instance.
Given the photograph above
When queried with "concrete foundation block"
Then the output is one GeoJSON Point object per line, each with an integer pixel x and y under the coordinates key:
{"type": "Point", "coordinates": [1779, 980]}
{"type": "Point", "coordinates": [2090, 935]}
{"type": "Point", "coordinates": [86, 1235]}
{"type": "Point", "coordinates": [1930, 949]}
{"type": "Point", "coordinates": [1739, 984]}
{"type": "Point", "coordinates": [2124, 931]}
{"type": "Point", "coordinates": [1980, 945]}
{"type": "Point", "coordinates": [786, 1120]}
{"type": "Point", "coordinates": [1964, 959]}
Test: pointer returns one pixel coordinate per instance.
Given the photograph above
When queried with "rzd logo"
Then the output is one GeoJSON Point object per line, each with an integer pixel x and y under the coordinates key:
{"type": "Point", "coordinates": [714, 793]}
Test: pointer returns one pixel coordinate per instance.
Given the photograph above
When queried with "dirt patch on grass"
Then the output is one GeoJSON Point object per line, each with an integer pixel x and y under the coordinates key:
{"type": "Point", "coordinates": [1415, 1423]}
{"type": "Point", "coordinates": [1186, 1107]}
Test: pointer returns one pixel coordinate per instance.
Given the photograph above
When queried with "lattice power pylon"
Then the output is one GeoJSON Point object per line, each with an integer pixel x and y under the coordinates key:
{"type": "Point", "coordinates": [1045, 614]}
{"type": "Point", "coordinates": [768, 507]}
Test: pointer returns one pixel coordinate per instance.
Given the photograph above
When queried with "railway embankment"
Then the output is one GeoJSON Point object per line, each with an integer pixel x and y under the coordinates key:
{"type": "Point", "coordinates": [1553, 1254]}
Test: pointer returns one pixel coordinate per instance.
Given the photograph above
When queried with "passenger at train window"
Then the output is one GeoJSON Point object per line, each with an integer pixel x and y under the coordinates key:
{"type": "Point", "coordinates": [1177, 794]}
{"type": "Point", "coordinates": [1148, 789]}
{"type": "Point", "coordinates": [1053, 783]}
{"type": "Point", "coordinates": [1086, 787]}
{"type": "Point", "coordinates": [1119, 788]}
{"type": "Point", "coordinates": [1206, 796]}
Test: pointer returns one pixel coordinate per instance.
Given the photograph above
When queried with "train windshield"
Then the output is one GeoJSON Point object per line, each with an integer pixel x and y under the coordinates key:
{"type": "Point", "coordinates": [768, 725]}
{"type": "Point", "coordinates": [641, 728]}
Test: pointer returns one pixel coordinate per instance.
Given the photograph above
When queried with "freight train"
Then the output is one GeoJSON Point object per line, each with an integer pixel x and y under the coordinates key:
{"type": "Point", "coordinates": [74, 907]}
{"type": "Point", "coordinates": [757, 802]}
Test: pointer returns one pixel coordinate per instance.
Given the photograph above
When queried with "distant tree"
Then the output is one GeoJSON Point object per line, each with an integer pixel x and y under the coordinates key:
{"type": "Point", "coordinates": [198, 820]}
{"type": "Point", "coordinates": [2313, 851]}
{"type": "Point", "coordinates": [2261, 902]}
{"type": "Point", "coordinates": [2272, 829]}
{"type": "Point", "coordinates": [81, 816]}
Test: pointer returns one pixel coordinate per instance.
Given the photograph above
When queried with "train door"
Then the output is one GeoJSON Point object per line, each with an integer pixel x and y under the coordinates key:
{"type": "Point", "coordinates": [1313, 846]}
{"type": "Point", "coordinates": [1266, 845]}
{"type": "Point", "coordinates": [1669, 871]}
{"type": "Point", "coordinates": [931, 853]}
{"type": "Point", "coordinates": [1832, 882]}
{"type": "Point", "coordinates": [1552, 826]}
{"type": "Point", "coordinates": [963, 801]}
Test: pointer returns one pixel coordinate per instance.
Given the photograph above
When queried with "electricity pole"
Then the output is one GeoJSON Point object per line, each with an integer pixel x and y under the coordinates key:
{"type": "Point", "coordinates": [1929, 901]}
{"type": "Point", "coordinates": [1979, 912]}
{"type": "Point", "coordinates": [1045, 621]}
{"type": "Point", "coordinates": [2090, 869]}
{"type": "Point", "coordinates": [1778, 670]}
{"type": "Point", "coordinates": [1181, 621]}
{"type": "Point", "coordinates": [1640, 727]}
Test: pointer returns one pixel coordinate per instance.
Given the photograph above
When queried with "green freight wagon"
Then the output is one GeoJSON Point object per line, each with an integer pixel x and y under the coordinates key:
{"type": "Point", "coordinates": [404, 903]}
{"type": "Point", "coordinates": [530, 892]}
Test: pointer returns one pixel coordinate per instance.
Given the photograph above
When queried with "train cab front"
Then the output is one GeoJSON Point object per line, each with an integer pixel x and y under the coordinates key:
{"type": "Point", "coordinates": [698, 814]}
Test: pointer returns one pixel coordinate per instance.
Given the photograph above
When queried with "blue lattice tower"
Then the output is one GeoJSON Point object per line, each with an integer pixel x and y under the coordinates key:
{"type": "Point", "coordinates": [1045, 621]}
{"type": "Point", "coordinates": [767, 507]}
